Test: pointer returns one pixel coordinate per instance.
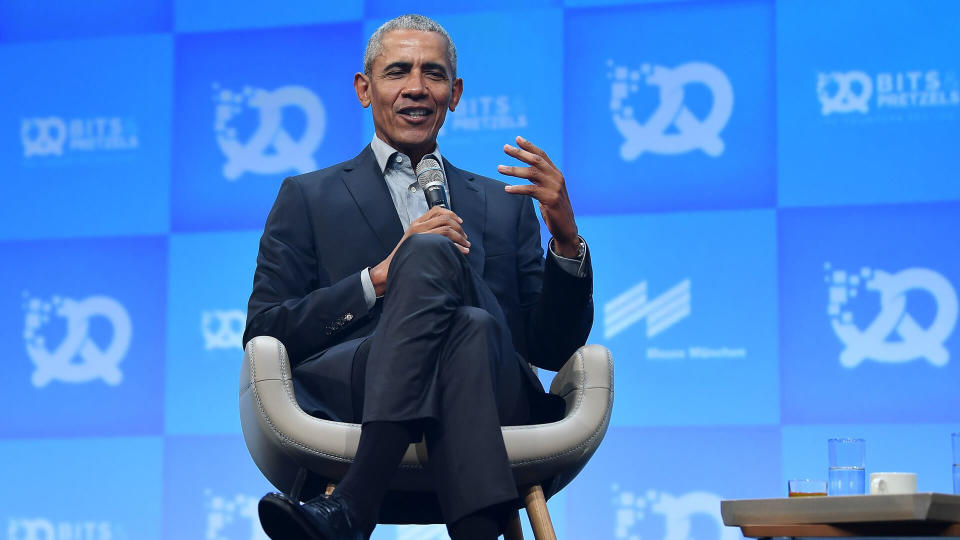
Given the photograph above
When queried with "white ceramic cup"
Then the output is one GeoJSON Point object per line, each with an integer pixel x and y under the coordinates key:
{"type": "Point", "coordinates": [892, 483]}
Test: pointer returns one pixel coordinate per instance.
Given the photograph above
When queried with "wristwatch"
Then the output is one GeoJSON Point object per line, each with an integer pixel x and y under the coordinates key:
{"type": "Point", "coordinates": [581, 250]}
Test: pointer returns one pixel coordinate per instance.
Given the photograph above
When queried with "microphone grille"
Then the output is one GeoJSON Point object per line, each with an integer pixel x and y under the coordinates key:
{"type": "Point", "coordinates": [429, 172]}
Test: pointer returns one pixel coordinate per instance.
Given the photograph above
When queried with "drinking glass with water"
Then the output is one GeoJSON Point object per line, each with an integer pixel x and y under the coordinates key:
{"type": "Point", "coordinates": [846, 475]}
{"type": "Point", "coordinates": [956, 462]}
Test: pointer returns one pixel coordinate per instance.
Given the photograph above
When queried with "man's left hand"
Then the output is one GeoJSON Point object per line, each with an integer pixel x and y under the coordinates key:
{"type": "Point", "coordinates": [549, 189]}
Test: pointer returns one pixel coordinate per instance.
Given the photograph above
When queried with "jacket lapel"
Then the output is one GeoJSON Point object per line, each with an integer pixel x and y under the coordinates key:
{"type": "Point", "coordinates": [469, 202]}
{"type": "Point", "coordinates": [365, 183]}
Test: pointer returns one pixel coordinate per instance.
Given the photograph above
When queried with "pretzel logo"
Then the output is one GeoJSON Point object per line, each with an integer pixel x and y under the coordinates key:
{"type": "Point", "coordinates": [271, 149]}
{"type": "Point", "coordinates": [236, 515]}
{"type": "Point", "coordinates": [222, 329]}
{"type": "Point", "coordinates": [687, 131]}
{"type": "Point", "coordinates": [844, 92]}
{"type": "Point", "coordinates": [43, 136]}
{"type": "Point", "coordinates": [910, 340]}
{"type": "Point", "coordinates": [676, 511]}
{"type": "Point", "coordinates": [77, 359]}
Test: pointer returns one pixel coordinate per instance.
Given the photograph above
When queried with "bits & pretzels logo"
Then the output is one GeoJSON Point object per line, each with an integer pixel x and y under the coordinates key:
{"type": "Point", "coordinates": [672, 128]}
{"type": "Point", "coordinates": [271, 149]}
{"type": "Point", "coordinates": [675, 511]}
{"type": "Point", "coordinates": [894, 336]}
{"type": "Point", "coordinates": [45, 529]}
{"type": "Point", "coordinates": [78, 358]}
{"type": "Point", "coordinates": [55, 136]}
{"type": "Point", "coordinates": [222, 328]}
{"type": "Point", "coordinates": [237, 514]}
{"type": "Point", "coordinates": [844, 92]}
{"type": "Point", "coordinates": [488, 112]}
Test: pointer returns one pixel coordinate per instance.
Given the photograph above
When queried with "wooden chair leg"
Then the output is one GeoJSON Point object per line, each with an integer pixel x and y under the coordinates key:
{"type": "Point", "coordinates": [540, 522]}
{"type": "Point", "coordinates": [514, 528]}
{"type": "Point", "coordinates": [298, 483]}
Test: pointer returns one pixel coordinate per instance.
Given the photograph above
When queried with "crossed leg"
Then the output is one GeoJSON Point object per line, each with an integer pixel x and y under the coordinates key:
{"type": "Point", "coordinates": [442, 363]}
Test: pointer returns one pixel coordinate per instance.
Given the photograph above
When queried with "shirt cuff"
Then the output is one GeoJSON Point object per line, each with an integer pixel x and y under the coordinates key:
{"type": "Point", "coordinates": [571, 266]}
{"type": "Point", "coordinates": [369, 293]}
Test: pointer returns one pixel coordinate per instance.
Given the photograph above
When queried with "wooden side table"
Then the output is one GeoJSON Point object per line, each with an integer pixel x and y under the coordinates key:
{"type": "Point", "coordinates": [917, 514]}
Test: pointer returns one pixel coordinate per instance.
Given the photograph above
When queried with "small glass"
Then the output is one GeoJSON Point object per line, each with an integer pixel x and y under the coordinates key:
{"type": "Point", "coordinates": [846, 475]}
{"type": "Point", "coordinates": [956, 462]}
{"type": "Point", "coordinates": [805, 487]}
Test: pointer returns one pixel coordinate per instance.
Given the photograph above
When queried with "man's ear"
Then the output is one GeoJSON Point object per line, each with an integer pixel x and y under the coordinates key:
{"type": "Point", "coordinates": [455, 93]}
{"type": "Point", "coordinates": [361, 83]}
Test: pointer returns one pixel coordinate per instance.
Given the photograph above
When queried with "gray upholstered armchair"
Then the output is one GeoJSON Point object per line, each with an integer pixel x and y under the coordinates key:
{"type": "Point", "coordinates": [303, 456]}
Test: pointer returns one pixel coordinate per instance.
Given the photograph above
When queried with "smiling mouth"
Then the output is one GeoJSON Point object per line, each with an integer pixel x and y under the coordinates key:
{"type": "Point", "coordinates": [415, 113]}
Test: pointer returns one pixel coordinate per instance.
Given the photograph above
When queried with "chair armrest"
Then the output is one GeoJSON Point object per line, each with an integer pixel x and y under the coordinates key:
{"type": "Point", "coordinates": [590, 367]}
{"type": "Point", "coordinates": [539, 451]}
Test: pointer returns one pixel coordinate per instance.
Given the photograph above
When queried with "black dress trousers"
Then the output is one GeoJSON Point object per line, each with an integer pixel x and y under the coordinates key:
{"type": "Point", "coordinates": [442, 356]}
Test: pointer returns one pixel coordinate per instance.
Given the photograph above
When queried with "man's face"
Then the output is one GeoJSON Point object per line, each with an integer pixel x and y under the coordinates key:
{"type": "Point", "coordinates": [410, 89]}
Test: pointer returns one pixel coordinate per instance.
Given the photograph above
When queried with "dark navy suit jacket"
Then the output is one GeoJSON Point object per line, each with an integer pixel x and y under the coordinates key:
{"type": "Point", "coordinates": [327, 226]}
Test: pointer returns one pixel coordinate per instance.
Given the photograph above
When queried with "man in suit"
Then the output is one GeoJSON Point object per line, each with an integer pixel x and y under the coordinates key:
{"type": "Point", "coordinates": [419, 322]}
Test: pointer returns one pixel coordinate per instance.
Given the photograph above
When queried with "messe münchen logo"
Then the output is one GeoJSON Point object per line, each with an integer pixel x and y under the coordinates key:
{"type": "Point", "coordinates": [271, 149]}
{"type": "Point", "coordinates": [672, 128]}
{"type": "Point", "coordinates": [894, 336]}
{"type": "Point", "coordinates": [675, 511]}
{"type": "Point", "coordinates": [661, 313]}
{"type": "Point", "coordinates": [78, 358]}
{"type": "Point", "coordinates": [633, 305]}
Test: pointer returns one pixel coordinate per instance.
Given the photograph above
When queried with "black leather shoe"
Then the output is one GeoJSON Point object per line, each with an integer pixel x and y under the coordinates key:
{"type": "Point", "coordinates": [323, 518]}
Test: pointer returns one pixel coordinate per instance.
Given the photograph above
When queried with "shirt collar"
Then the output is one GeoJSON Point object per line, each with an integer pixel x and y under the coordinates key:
{"type": "Point", "coordinates": [383, 152]}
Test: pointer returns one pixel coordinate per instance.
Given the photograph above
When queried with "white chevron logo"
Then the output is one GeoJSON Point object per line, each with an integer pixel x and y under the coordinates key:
{"type": "Point", "coordinates": [661, 313]}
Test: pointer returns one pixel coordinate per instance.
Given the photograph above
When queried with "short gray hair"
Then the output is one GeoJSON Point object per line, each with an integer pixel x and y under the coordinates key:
{"type": "Point", "coordinates": [407, 22]}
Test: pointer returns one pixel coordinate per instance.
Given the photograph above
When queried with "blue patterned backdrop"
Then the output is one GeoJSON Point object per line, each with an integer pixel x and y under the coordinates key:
{"type": "Point", "coordinates": [769, 190]}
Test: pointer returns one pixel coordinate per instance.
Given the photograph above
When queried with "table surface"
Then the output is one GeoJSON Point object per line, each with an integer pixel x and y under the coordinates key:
{"type": "Point", "coordinates": [917, 514]}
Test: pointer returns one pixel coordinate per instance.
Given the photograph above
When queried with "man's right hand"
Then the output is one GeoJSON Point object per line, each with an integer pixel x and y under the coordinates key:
{"type": "Point", "coordinates": [437, 220]}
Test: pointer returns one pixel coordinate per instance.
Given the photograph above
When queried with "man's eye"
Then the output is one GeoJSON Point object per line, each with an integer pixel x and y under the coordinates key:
{"type": "Point", "coordinates": [436, 75]}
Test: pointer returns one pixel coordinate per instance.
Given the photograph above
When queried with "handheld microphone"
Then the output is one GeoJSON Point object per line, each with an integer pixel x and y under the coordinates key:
{"type": "Point", "coordinates": [430, 177]}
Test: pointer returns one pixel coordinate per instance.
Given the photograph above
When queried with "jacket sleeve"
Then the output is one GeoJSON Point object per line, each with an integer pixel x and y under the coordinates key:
{"type": "Point", "coordinates": [293, 299]}
{"type": "Point", "coordinates": [557, 305]}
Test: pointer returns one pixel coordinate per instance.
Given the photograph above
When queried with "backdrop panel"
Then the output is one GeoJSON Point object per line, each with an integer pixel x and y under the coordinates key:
{"type": "Point", "coordinates": [693, 307]}
{"type": "Point", "coordinates": [869, 101]}
{"type": "Point", "coordinates": [84, 321]}
{"type": "Point", "coordinates": [885, 318]}
{"type": "Point", "coordinates": [670, 108]}
{"type": "Point", "coordinates": [94, 160]}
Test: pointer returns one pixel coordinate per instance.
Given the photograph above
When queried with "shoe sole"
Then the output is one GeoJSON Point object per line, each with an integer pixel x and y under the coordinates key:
{"type": "Point", "coordinates": [282, 519]}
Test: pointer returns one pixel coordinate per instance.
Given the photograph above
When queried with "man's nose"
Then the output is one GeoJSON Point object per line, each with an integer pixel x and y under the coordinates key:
{"type": "Point", "coordinates": [415, 86]}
